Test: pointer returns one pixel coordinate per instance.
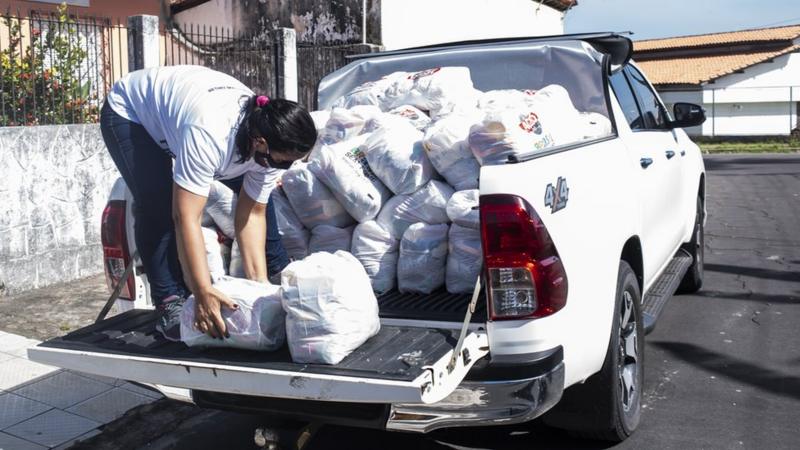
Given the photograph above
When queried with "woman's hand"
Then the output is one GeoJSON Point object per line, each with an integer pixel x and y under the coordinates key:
{"type": "Point", "coordinates": [208, 312]}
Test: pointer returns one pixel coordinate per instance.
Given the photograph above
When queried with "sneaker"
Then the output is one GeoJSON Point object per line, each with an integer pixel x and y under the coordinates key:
{"type": "Point", "coordinates": [168, 322]}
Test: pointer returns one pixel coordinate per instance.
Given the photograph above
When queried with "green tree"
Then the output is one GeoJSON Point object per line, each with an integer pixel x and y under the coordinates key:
{"type": "Point", "coordinates": [41, 82]}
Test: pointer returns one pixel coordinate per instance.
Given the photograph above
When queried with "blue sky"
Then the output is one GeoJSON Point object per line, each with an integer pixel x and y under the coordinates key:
{"type": "Point", "coordinates": [664, 18]}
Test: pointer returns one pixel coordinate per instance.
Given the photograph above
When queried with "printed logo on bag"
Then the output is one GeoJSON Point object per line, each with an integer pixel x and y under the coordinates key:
{"type": "Point", "coordinates": [530, 92]}
{"type": "Point", "coordinates": [424, 73]}
{"type": "Point", "coordinates": [360, 159]}
{"type": "Point", "coordinates": [531, 124]}
{"type": "Point", "coordinates": [408, 114]}
{"type": "Point", "coordinates": [556, 196]}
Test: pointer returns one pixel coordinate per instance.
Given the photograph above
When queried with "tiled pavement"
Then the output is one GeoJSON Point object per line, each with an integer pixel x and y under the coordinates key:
{"type": "Point", "coordinates": [44, 407]}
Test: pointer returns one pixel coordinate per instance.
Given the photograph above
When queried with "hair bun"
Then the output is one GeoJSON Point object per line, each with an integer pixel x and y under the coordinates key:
{"type": "Point", "coordinates": [262, 101]}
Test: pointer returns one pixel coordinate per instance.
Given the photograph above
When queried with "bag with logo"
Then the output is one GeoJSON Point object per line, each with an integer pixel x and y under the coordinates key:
{"type": "Point", "coordinates": [423, 258]}
{"type": "Point", "coordinates": [377, 251]}
{"type": "Point", "coordinates": [439, 90]}
{"type": "Point", "coordinates": [382, 92]}
{"type": "Point", "coordinates": [311, 200]}
{"type": "Point", "coordinates": [343, 168]}
{"type": "Point", "coordinates": [345, 124]}
{"type": "Point", "coordinates": [464, 259]}
{"type": "Point", "coordinates": [417, 117]}
{"type": "Point", "coordinates": [427, 205]}
{"type": "Point", "coordinates": [258, 323]}
{"type": "Point", "coordinates": [330, 307]}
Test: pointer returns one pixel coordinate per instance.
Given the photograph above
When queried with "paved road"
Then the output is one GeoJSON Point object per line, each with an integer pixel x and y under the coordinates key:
{"type": "Point", "coordinates": [722, 367]}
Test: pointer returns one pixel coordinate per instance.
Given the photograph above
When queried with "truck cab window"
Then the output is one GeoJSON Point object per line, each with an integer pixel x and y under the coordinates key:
{"type": "Point", "coordinates": [626, 100]}
{"type": "Point", "coordinates": [652, 110]}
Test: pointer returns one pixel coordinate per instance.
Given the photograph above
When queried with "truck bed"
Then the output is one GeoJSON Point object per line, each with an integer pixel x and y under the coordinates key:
{"type": "Point", "coordinates": [386, 355]}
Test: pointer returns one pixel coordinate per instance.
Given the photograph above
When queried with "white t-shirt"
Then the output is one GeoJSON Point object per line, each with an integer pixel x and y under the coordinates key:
{"type": "Point", "coordinates": [194, 112]}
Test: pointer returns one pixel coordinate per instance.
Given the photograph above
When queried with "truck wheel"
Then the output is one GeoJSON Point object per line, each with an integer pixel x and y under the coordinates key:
{"type": "Point", "coordinates": [608, 405]}
{"type": "Point", "coordinates": [693, 280]}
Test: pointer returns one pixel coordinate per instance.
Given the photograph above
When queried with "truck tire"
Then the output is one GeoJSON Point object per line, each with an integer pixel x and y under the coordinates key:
{"type": "Point", "coordinates": [693, 280]}
{"type": "Point", "coordinates": [608, 406]}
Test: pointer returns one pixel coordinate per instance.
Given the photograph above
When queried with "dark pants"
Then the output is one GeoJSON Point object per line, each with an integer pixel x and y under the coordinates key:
{"type": "Point", "coordinates": [147, 170]}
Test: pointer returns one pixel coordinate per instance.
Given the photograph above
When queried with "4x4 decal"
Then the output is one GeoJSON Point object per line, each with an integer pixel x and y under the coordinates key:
{"type": "Point", "coordinates": [556, 196]}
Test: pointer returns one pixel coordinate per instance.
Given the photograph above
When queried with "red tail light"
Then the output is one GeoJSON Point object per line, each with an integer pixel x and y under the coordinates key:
{"type": "Point", "coordinates": [115, 248]}
{"type": "Point", "coordinates": [525, 276]}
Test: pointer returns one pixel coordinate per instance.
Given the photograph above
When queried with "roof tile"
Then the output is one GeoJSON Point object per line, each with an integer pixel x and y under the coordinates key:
{"type": "Point", "coordinates": [786, 33]}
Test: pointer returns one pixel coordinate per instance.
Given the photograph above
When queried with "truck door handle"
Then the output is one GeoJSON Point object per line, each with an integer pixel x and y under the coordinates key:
{"type": "Point", "coordinates": [645, 162]}
{"type": "Point", "coordinates": [670, 154]}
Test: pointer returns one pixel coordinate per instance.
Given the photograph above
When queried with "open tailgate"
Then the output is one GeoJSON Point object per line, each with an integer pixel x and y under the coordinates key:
{"type": "Point", "coordinates": [400, 365]}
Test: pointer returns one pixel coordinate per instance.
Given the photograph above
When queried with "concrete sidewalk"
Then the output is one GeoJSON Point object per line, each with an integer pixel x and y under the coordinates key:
{"type": "Point", "coordinates": [43, 407]}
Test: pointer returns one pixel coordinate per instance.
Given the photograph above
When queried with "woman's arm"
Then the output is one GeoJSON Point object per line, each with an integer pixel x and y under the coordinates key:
{"type": "Point", "coordinates": [251, 233]}
{"type": "Point", "coordinates": [187, 209]}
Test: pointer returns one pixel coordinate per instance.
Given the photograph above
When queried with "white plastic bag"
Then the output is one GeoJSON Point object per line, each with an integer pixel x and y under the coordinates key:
{"type": "Point", "coordinates": [330, 307]}
{"type": "Point", "coordinates": [216, 266]}
{"type": "Point", "coordinates": [395, 153]}
{"type": "Point", "coordinates": [505, 98]}
{"type": "Point", "coordinates": [311, 200]}
{"type": "Point", "coordinates": [326, 238]}
{"type": "Point", "coordinates": [426, 205]}
{"type": "Point", "coordinates": [221, 208]}
{"type": "Point", "coordinates": [345, 124]}
{"type": "Point", "coordinates": [236, 267]}
{"type": "Point", "coordinates": [462, 208]}
{"type": "Point", "coordinates": [343, 168]}
{"type": "Point", "coordinates": [548, 120]}
{"type": "Point", "coordinates": [416, 116]}
{"type": "Point", "coordinates": [439, 90]}
{"type": "Point", "coordinates": [464, 259]}
{"type": "Point", "coordinates": [375, 92]}
{"type": "Point", "coordinates": [595, 125]}
{"type": "Point", "coordinates": [423, 258]}
{"type": "Point", "coordinates": [445, 142]}
{"type": "Point", "coordinates": [320, 119]}
{"type": "Point", "coordinates": [258, 323]}
{"type": "Point", "coordinates": [294, 235]}
{"type": "Point", "coordinates": [377, 251]}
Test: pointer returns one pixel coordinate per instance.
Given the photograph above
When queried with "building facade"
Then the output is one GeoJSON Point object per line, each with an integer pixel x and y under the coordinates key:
{"type": "Point", "coordinates": [748, 81]}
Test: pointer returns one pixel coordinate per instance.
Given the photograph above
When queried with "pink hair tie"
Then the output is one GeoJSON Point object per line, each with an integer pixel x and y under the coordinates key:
{"type": "Point", "coordinates": [262, 101]}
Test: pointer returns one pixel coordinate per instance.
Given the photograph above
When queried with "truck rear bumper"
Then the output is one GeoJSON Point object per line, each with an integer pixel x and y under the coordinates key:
{"type": "Point", "coordinates": [490, 396]}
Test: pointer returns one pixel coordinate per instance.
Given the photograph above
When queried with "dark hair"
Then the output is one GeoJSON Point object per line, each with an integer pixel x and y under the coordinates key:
{"type": "Point", "coordinates": [287, 127]}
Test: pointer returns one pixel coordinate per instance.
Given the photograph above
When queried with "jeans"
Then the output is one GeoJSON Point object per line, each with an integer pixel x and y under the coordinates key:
{"type": "Point", "coordinates": [147, 170]}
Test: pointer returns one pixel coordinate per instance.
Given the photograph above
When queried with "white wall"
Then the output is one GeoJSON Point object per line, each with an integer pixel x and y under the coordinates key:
{"type": "Point", "coordinates": [761, 101]}
{"type": "Point", "coordinates": [411, 23]}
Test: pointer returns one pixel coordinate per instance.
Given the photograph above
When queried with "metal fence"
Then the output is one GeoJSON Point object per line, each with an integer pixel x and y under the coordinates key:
{"type": "Point", "coordinates": [315, 61]}
{"type": "Point", "coordinates": [56, 68]}
{"type": "Point", "coordinates": [248, 57]}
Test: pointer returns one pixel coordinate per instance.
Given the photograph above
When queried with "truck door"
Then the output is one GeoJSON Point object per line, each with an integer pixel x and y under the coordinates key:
{"type": "Point", "coordinates": [656, 153]}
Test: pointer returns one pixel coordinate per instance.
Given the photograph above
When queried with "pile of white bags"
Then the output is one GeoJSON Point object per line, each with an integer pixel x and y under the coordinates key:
{"type": "Point", "coordinates": [462, 208]}
{"type": "Point", "coordinates": [439, 90]}
{"type": "Point", "coordinates": [446, 143]}
{"type": "Point", "coordinates": [423, 258]}
{"type": "Point", "coordinates": [427, 205]}
{"type": "Point", "coordinates": [294, 235]}
{"type": "Point", "coordinates": [464, 258]}
{"type": "Point", "coordinates": [343, 168]}
{"type": "Point", "coordinates": [327, 238]}
{"type": "Point", "coordinates": [312, 201]}
{"type": "Point", "coordinates": [376, 249]}
{"type": "Point", "coordinates": [258, 323]}
{"type": "Point", "coordinates": [394, 152]}
{"type": "Point", "coordinates": [375, 92]}
{"type": "Point", "coordinates": [330, 307]}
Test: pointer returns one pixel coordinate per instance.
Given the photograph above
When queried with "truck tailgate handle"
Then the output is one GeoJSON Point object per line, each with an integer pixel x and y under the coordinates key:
{"type": "Point", "coordinates": [645, 162]}
{"type": "Point", "coordinates": [670, 154]}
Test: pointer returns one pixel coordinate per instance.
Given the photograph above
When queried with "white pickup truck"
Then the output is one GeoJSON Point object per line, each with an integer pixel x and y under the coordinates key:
{"type": "Point", "coordinates": [583, 246]}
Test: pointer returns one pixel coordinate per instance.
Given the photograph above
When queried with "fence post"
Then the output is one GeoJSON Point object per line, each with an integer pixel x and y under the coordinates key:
{"type": "Point", "coordinates": [142, 42]}
{"type": "Point", "coordinates": [286, 63]}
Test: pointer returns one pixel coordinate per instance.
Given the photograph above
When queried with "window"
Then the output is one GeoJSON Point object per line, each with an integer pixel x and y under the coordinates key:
{"type": "Point", "coordinates": [626, 100]}
{"type": "Point", "coordinates": [652, 111]}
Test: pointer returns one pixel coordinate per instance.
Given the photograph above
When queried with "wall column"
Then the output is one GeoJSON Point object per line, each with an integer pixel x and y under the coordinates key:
{"type": "Point", "coordinates": [143, 48]}
{"type": "Point", "coordinates": [286, 63]}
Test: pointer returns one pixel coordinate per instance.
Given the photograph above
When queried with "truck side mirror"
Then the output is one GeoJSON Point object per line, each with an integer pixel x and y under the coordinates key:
{"type": "Point", "coordinates": [687, 115]}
